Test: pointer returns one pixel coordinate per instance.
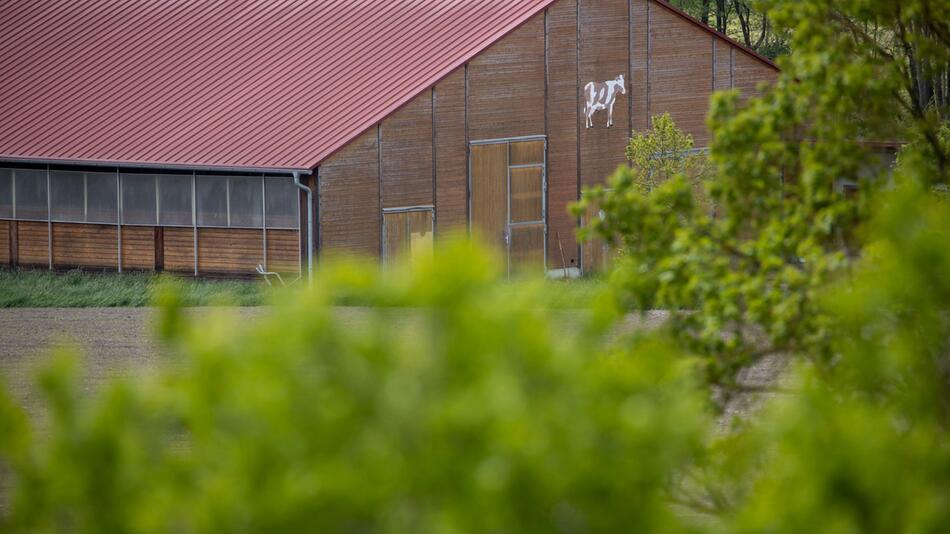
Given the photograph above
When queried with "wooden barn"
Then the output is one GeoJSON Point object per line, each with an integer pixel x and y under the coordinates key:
{"type": "Point", "coordinates": [210, 138]}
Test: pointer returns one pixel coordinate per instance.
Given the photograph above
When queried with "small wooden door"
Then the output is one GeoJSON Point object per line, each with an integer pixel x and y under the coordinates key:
{"type": "Point", "coordinates": [508, 199]}
{"type": "Point", "coordinates": [407, 234]}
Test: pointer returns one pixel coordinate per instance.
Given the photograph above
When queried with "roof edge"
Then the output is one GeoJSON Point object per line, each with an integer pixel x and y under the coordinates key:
{"type": "Point", "coordinates": [434, 80]}
{"type": "Point", "coordinates": [710, 29]}
{"type": "Point", "coordinates": [151, 165]}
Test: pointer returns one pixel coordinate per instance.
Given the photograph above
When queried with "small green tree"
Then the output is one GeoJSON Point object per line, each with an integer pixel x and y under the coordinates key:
{"type": "Point", "coordinates": [661, 153]}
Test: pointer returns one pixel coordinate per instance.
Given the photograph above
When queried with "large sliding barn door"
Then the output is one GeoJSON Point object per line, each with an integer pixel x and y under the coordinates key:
{"type": "Point", "coordinates": [508, 201]}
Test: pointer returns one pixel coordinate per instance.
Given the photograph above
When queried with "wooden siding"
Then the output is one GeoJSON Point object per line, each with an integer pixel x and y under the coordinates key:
{"type": "Point", "coordinates": [5, 253]}
{"type": "Point", "coordinates": [750, 72]}
{"type": "Point", "coordinates": [604, 54]}
{"type": "Point", "coordinates": [349, 198]}
{"type": "Point", "coordinates": [283, 251]}
{"type": "Point", "coordinates": [32, 243]}
{"type": "Point", "coordinates": [229, 250]}
{"type": "Point", "coordinates": [564, 120]}
{"type": "Point", "coordinates": [85, 245]}
{"type": "Point", "coordinates": [179, 249]}
{"type": "Point", "coordinates": [451, 154]}
{"type": "Point", "coordinates": [723, 67]}
{"type": "Point", "coordinates": [406, 145]}
{"type": "Point", "coordinates": [640, 12]}
{"type": "Point", "coordinates": [680, 72]}
{"type": "Point", "coordinates": [506, 85]}
{"type": "Point", "coordinates": [138, 247]}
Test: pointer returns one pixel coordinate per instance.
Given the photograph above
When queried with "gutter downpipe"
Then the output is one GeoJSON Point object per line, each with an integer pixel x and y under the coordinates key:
{"type": "Point", "coordinates": [309, 192]}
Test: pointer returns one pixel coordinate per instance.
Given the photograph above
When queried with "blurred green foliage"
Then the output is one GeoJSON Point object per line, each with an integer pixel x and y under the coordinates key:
{"type": "Point", "coordinates": [464, 405]}
{"type": "Point", "coordinates": [455, 409]}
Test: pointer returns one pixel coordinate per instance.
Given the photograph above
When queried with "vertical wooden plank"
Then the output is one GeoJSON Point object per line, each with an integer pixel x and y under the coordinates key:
{"type": "Point", "coordinates": [604, 53]}
{"type": "Point", "coordinates": [5, 252]}
{"type": "Point", "coordinates": [14, 246]}
{"type": "Point", "coordinates": [406, 155]}
{"type": "Point", "coordinates": [451, 193]}
{"type": "Point", "coordinates": [349, 198]}
{"type": "Point", "coordinates": [5, 234]}
{"type": "Point", "coordinates": [159, 248]}
{"type": "Point", "coordinates": [681, 76]}
{"type": "Point", "coordinates": [723, 68]}
{"type": "Point", "coordinates": [395, 236]}
{"type": "Point", "coordinates": [489, 191]}
{"type": "Point", "coordinates": [506, 85]}
{"type": "Point", "coordinates": [563, 125]}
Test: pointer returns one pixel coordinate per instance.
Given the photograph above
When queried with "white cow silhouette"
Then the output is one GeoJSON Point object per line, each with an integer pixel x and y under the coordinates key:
{"type": "Point", "coordinates": [603, 95]}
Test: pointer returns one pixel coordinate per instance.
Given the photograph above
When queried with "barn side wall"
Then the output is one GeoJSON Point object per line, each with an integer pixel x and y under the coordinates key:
{"type": "Point", "coordinates": [531, 82]}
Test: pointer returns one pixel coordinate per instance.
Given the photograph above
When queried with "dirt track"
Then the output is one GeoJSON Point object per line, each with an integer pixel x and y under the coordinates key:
{"type": "Point", "coordinates": [114, 341]}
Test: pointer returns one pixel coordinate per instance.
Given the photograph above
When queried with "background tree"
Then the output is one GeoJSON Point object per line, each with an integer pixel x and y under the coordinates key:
{"type": "Point", "coordinates": [744, 20]}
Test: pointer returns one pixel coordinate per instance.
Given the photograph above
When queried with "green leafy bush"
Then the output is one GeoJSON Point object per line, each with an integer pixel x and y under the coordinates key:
{"type": "Point", "coordinates": [457, 408]}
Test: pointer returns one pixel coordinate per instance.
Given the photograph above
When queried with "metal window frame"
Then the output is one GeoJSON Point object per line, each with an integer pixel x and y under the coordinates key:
{"type": "Point", "coordinates": [85, 207]}
{"type": "Point", "coordinates": [119, 221]}
{"type": "Point", "coordinates": [544, 189]}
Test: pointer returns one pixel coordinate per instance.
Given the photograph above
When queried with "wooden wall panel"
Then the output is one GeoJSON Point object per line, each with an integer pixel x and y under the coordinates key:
{"type": "Point", "coordinates": [506, 85]}
{"type": "Point", "coordinates": [5, 242]}
{"type": "Point", "coordinates": [451, 154]}
{"type": "Point", "coordinates": [349, 198]}
{"type": "Point", "coordinates": [604, 54]}
{"type": "Point", "coordinates": [138, 247]}
{"type": "Point", "coordinates": [283, 254]}
{"type": "Point", "coordinates": [33, 243]}
{"type": "Point", "coordinates": [85, 245]}
{"type": "Point", "coordinates": [406, 158]}
{"type": "Point", "coordinates": [563, 122]}
{"type": "Point", "coordinates": [229, 250]}
{"type": "Point", "coordinates": [750, 72]}
{"type": "Point", "coordinates": [640, 12]}
{"type": "Point", "coordinates": [179, 249]}
{"type": "Point", "coordinates": [680, 72]}
{"type": "Point", "coordinates": [722, 72]}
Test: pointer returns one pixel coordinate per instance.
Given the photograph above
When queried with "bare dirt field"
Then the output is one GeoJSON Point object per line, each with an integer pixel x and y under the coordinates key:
{"type": "Point", "coordinates": [120, 341]}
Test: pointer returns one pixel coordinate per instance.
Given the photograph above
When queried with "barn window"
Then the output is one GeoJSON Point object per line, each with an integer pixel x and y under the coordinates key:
{"type": "Point", "coordinates": [68, 196]}
{"type": "Point", "coordinates": [77, 196]}
{"type": "Point", "coordinates": [139, 204]}
{"type": "Point", "coordinates": [282, 205]}
{"type": "Point", "coordinates": [246, 204]}
{"type": "Point", "coordinates": [407, 233]}
{"type": "Point", "coordinates": [174, 200]}
{"type": "Point", "coordinates": [101, 197]}
{"type": "Point", "coordinates": [211, 200]}
{"type": "Point", "coordinates": [6, 194]}
{"type": "Point", "coordinates": [29, 193]}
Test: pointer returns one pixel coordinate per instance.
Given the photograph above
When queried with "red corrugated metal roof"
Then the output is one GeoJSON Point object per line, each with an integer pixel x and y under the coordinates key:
{"type": "Point", "coordinates": [276, 84]}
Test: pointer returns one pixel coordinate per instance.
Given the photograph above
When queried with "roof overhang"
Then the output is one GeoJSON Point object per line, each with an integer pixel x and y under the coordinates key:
{"type": "Point", "coordinates": [151, 165]}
